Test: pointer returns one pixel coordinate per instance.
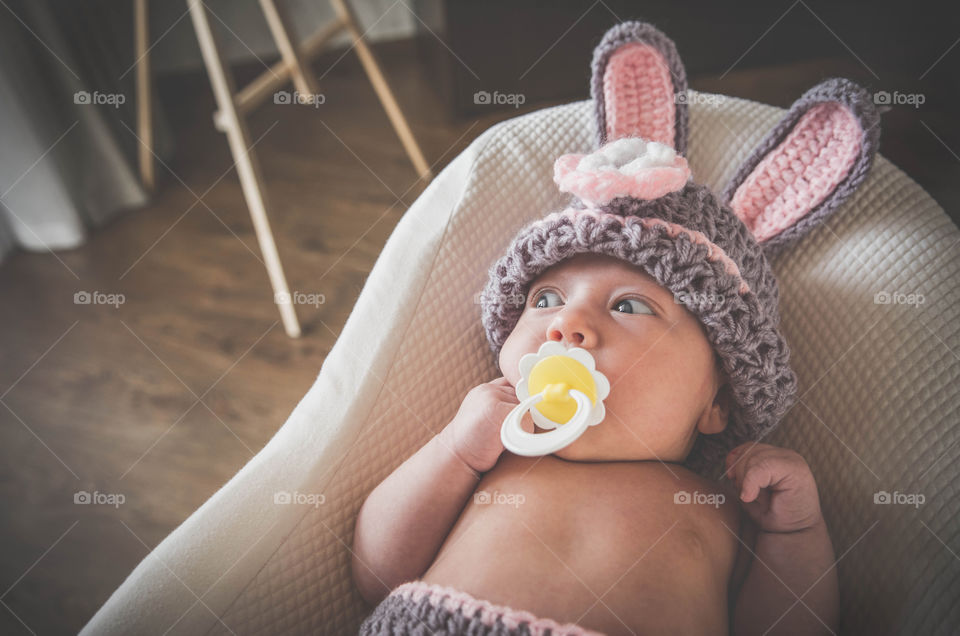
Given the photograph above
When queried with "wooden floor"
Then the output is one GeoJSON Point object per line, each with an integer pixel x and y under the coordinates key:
{"type": "Point", "coordinates": [162, 399]}
{"type": "Point", "coordinates": [106, 399]}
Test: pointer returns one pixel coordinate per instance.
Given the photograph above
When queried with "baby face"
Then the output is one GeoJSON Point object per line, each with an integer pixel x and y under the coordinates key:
{"type": "Point", "coordinates": [666, 385]}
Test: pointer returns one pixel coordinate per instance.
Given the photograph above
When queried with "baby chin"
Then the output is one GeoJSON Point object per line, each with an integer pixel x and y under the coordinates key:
{"type": "Point", "coordinates": [595, 446]}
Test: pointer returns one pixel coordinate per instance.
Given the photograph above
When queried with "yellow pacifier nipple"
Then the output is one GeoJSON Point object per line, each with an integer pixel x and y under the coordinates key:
{"type": "Point", "coordinates": [554, 376]}
{"type": "Point", "coordinates": [556, 393]}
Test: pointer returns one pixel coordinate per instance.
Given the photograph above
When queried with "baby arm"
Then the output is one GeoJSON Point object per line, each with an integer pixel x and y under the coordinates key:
{"type": "Point", "coordinates": [406, 518]}
{"type": "Point", "coordinates": [793, 556]}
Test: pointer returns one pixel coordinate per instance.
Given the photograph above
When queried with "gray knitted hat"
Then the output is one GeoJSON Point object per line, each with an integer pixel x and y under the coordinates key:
{"type": "Point", "coordinates": [634, 200]}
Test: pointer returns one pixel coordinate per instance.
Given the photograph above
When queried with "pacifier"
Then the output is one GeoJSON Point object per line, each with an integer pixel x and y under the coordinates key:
{"type": "Point", "coordinates": [563, 391]}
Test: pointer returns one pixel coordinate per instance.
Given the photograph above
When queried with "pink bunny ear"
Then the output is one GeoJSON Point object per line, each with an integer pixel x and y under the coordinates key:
{"type": "Point", "coordinates": [639, 87]}
{"type": "Point", "coordinates": [810, 163]}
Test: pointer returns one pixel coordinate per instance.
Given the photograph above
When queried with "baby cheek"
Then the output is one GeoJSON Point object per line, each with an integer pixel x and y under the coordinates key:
{"type": "Point", "coordinates": [509, 363]}
{"type": "Point", "coordinates": [637, 412]}
{"type": "Point", "coordinates": [645, 397]}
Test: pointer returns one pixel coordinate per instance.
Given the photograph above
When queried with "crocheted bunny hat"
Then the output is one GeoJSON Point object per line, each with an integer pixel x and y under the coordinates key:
{"type": "Point", "coordinates": [634, 200]}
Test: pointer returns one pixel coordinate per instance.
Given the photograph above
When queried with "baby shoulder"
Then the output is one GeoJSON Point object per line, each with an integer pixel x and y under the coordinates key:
{"type": "Point", "coordinates": [711, 506]}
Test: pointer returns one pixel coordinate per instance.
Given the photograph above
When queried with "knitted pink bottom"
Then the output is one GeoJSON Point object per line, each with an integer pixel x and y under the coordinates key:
{"type": "Point", "coordinates": [452, 600]}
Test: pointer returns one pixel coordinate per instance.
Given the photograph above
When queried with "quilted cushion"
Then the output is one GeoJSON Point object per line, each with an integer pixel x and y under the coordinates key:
{"type": "Point", "coordinates": [877, 412]}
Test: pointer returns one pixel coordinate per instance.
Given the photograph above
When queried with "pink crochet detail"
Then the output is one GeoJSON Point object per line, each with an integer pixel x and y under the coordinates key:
{"type": "Point", "coordinates": [452, 600]}
{"type": "Point", "coordinates": [714, 251]}
{"type": "Point", "coordinates": [638, 94]}
{"type": "Point", "coordinates": [801, 172]}
{"type": "Point", "coordinates": [598, 187]}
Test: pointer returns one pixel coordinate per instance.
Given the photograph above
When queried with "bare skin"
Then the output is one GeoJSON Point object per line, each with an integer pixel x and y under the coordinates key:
{"type": "Point", "coordinates": [594, 534]}
{"type": "Point", "coordinates": [600, 545]}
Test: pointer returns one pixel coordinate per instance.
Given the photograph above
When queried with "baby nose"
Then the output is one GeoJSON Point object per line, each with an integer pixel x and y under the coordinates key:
{"type": "Point", "coordinates": [572, 329]}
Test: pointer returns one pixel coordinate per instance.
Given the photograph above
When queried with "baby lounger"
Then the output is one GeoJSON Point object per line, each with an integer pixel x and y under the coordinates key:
{"type": "Point", "coordinates": [870, 304]}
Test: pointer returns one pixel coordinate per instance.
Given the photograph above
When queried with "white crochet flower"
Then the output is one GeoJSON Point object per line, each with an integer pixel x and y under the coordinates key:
{"type": "Point", "coordinates": [629, 155]}
{"type": "Point", "coordinates": [627, 167]}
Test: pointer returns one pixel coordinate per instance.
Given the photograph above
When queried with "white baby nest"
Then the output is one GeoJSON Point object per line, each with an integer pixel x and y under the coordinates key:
{"type": "Point", "coordinates": [879, 386]}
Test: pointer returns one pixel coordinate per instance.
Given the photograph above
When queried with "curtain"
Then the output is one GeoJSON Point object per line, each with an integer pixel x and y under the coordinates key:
{"type": "Point", "coordinates": [68, 152]}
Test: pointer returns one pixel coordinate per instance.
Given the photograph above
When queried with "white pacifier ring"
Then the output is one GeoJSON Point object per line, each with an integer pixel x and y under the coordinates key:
{"type": "Point", "coordinates": [518, 441]}
{"type": "Point", "coordinates": [559, 377]}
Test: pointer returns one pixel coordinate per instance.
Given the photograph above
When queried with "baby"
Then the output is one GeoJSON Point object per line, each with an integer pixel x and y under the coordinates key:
{"type": "Point", "coordinates": [626, 530]}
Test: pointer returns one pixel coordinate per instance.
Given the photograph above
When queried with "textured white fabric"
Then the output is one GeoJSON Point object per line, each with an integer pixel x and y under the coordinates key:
{"type": "Point", "coordinates": [878, 387]}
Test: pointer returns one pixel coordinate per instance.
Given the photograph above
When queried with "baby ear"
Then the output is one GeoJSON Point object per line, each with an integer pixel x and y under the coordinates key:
{"type": "Point", "coordinates": [808, 165]}
{"type": "Point", "coordinates": [715, 419]}
{"type": "Point", "coordinates": [639, 87]}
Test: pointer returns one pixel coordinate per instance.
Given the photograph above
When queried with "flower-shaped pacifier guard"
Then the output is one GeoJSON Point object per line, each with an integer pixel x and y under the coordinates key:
{"type": "Point", "coordinates": [563, 390]}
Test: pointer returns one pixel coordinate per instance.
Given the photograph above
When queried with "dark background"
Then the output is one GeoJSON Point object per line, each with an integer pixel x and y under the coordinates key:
{"type": "Point", "coordinates": [766, 51]}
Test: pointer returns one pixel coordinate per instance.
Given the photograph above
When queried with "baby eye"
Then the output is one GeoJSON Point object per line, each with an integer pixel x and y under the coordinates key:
{"type": "Point", "coordinates": [637, 306]}
{"type": "Point", "coordinates": [543, 303]}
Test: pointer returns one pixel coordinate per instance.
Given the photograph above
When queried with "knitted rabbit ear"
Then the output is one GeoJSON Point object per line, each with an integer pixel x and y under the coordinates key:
{"type": "Point", "coordinates": [639, 87]}
{"type": "Point", "coordinates": [809, 164]}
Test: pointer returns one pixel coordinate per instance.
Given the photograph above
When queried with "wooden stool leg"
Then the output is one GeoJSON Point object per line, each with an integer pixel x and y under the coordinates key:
{"type": "Point", "coordinates": [144, 117]}
{"type": "Point", "coordinates": [247, 167]}
{"type": "Point", "coordinates": [279, 25]}
{"type": "Point", "coordinates": [380, 85]}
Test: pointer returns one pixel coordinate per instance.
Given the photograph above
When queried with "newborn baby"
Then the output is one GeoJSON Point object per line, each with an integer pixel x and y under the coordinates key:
{"type": "Point", "coordinates": [598, 533]}
{"type": "Point", "coordinates": [628, 529]}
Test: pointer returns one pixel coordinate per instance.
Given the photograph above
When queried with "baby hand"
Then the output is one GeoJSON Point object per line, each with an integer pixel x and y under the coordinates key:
{"type": "Point", "coordinates": [776, 487]}
{"type": "Point", "coordinates": [474, 433]}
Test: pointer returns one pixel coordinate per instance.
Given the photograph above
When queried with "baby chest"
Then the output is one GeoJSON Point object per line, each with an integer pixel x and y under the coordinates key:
{"type": "Point", "coordinates": [585, 510]}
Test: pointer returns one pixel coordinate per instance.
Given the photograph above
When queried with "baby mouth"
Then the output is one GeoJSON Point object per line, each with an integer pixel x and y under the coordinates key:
{"type": "Point", "coordinates": [563, 391]}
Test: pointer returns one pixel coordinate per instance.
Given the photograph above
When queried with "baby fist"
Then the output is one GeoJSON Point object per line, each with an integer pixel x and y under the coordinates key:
{"type": "Point", "coordinates": [776, 487]}
{"type": "Point", "coordinates": [474, 433]}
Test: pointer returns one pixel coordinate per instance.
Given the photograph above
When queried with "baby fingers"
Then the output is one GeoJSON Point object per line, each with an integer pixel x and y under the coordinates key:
{"type": "Point", "coordinates": [753, 467]}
